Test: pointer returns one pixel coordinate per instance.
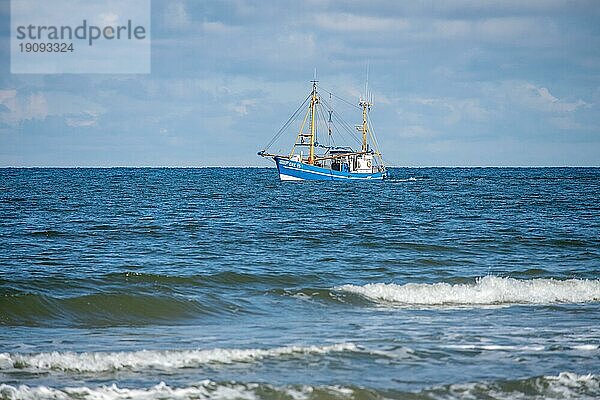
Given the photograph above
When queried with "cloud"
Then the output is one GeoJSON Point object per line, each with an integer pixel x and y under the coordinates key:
{"type": "Point", "coordinates": [176, 16]}
{"type": "Point", "coordinates": [37, 106]}
{"type": "Point", "coordinates": [75, 110]}
{"type": "Point", "coordinates": [109, 18]}
{"type": "Point", "coordinates": [242, 107]}
{"type": "Point", "coordinates": [508, 7]}
{"type": "Point", "coordinates": [85, 119]}
{"type": "Point", "coordinates": [218, 27]}
{"type": "Point", "coordinates": [352, 22]}
{"type": "Point", "coordinates": [456, 110]}
{"type": "Point", "coordinates": [531, 31]}
{"type": "Point", "coordinates": [466, 109]}
{"type": "Point", "coordinates": [20, 108]}
{"type": "Point", "coordinates": [540, 98]}
{"type": "Point", "coordinates": [566, 123]}
{"type": "Point", "coordinates": [7, 94]}
{"type": "Point", "coordinates": [416, 131]}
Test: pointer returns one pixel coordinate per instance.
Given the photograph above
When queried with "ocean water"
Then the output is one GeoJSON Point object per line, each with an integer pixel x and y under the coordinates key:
{"type": "Point", "coordinates": [224, 283]}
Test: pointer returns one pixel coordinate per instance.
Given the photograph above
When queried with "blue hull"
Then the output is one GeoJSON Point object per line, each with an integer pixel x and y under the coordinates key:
{"type": "Point", "coordinates": [297, 171]}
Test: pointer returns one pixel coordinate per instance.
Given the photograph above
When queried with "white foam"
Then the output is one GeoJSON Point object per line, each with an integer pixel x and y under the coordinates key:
{"type": "Point", "coordinates": [495, 347]}
{"type": "Point", "coordinates": [204, 390]}
{"type": "Point", "coordinates": [411, 179]}
{"type": "Point", "coordinates": [587, 347]}
{"type": "Point", "coordinates": [526, 348]}
{"type": "Point", "coordinates": [571, 379]}
{"type": "Point", "coordinates": [566, 385]}
{"type": "Point", "coordinates": [489, 290]}
{"type": "Point", "coordinates": [141, 360]}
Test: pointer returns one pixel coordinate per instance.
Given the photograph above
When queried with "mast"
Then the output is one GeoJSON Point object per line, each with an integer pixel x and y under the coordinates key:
{"type": "Point", "coordinates": [366, 105]}
{"type": "Point", "coordinates": [313, 104]}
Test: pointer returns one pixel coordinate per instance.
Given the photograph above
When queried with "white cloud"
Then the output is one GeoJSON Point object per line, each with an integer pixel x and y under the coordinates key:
{"type": "Point", "coordinates": [407, 117]}
{"type": "Point", "coordinates": [565, 123]}
{"type": "Point", "coordinates": [37, 106]}
{"type": "Point", "coordinates": [242, 107]}
{"type": "Point", "coordinates": [109, 18]}
{"type": "Point", "coordinates": [465, 110]}
{"type": "Point", "coordinates": [20, 108]}
{"type": "Point", "coordinates": [425, 101]}
{"type": "Point", "coordinates": [456, 110]}
{"type": "Point", "coordinates": [540, 98]}
{"type": "Point", "coordinates": [7, 95]}
{"type": "Point", "coordinates": [504, 6]}
{"type": "Point", "coordinates": [85, 119]}
{"type": "Point", "coordinates": [416, 131]}
{"type": "Point", "coordinates": [352, 22]}
{"type": "Point", "coordinates": [452, 28]}
{"type": "Point", "coordinates": [176, 16]}
{"type": "Point", "coordinates": [521, 31]}
{"type": "Point", "coordinates": [218, 27]}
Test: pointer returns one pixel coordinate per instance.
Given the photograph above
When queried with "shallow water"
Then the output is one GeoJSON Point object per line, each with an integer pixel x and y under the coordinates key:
{"type": "Point", "coordinates": [225, 283]}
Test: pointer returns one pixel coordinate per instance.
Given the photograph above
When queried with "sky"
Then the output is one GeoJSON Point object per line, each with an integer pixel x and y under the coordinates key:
{"type": "Point", "coordinates": [455, 83]}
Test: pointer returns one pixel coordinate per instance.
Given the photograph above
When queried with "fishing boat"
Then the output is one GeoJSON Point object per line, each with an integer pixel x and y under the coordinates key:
{"type": "Point", "coordinates": [328, 161]}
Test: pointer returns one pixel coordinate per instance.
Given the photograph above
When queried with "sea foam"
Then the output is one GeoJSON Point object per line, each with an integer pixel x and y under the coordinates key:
{"type": "Point", "coordinates": [488, 290]}
{"type": "Point", "coordinates": [147, 359]}
{"type": "Point", "coordinates": [565, 385]}
{"type": "Point", "coordinates": [203, 390]}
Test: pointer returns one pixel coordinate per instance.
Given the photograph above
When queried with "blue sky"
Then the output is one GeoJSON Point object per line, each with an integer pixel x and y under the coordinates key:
{"type": "Point", "coordinates": [456, 83]}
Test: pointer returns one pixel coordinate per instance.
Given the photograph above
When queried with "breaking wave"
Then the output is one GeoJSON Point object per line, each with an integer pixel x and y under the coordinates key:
{"type": "Point", "coordinates": [488, 290]}
{"type": "Point", "coordinates": [565, 385]}
{"type": "Point", "coordinates": [522, 348]}
{"type": "Point", "coordinates": [146, 359]}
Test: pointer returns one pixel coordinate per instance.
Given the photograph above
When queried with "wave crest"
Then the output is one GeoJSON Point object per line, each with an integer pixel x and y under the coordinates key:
{"type": "Point", "coordinates": [488, 290]}
{"type": "Point", "coordinates": [146, 359]}
{"type": "Point", "coordinates": [565, 385]}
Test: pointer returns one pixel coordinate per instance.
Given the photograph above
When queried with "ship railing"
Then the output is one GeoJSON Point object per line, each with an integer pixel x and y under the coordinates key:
{"type": "Point", "coordinates": [354, 153]}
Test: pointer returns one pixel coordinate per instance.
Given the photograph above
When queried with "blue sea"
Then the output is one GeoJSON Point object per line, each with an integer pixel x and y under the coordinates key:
{"type": "Point", "coordinates": [224, 283]}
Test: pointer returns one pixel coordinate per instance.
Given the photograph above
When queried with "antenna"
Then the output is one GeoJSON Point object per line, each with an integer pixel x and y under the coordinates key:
{"type": "Point", "coordinates": [367, 81]}
{"type": "Point", "coordinates": [329, 121]}
{"type": "Point", "coordinates": [315, 76]}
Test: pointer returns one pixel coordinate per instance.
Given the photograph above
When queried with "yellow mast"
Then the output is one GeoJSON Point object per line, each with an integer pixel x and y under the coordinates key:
{"type": "Point", "coordinates": [300, 137]}
{"type": "Point", "coordinates": [365, 127]}
{"type": "Point", "coordinates": [313, 104]}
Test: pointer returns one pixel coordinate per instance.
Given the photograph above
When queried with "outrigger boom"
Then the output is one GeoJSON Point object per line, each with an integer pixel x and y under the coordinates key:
{"type": "Point", "coordinates": [336, 162]}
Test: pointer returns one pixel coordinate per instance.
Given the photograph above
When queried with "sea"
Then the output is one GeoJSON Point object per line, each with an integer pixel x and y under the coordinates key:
{"type": "Point", "coordinates": [225, 283]}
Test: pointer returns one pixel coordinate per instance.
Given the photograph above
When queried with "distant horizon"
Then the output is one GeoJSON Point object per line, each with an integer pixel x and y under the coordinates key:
{"type": "Point", "coordinates": [273, 167]}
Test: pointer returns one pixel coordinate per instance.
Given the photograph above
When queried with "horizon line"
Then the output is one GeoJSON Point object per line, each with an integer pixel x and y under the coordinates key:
{"type": "Point", "coordinates": [273, 167]}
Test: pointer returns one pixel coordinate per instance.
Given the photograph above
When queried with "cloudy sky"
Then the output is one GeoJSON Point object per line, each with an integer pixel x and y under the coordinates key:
{"type": "Point", "coordinates": [456, 83]}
